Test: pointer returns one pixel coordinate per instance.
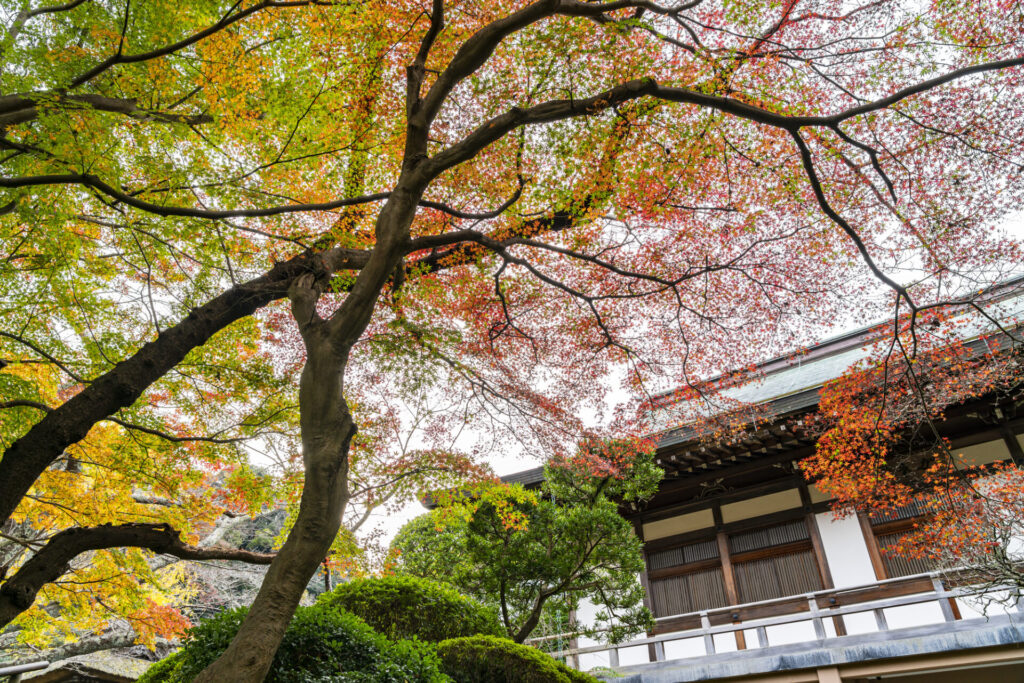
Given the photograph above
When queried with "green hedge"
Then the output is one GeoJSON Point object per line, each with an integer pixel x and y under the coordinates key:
{"type": "Point", "coordinates": [486, 659]}
{"type": "Point", "coordinates": [410, 607]}
{"type": "Point", "coordinates": [325, 645]}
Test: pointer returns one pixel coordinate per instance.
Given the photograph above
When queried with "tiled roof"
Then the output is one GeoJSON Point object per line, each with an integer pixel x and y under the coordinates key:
{"type": "Point", "coordinates": [798, 378]}
{"type": "Point", "coordinates": [792, 383]}
{"type": "Point", "coordinates": [527, 478]}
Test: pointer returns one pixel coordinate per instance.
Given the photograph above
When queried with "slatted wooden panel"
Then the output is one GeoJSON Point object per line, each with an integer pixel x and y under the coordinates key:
{"type": "Point", "coordinates": [694, 552]}
{"type": "Point", "coordinates": [691, 592]}
{"type": "Point", "coordinates": [665, 558]}
{"type": "Point", "coordinates": [769, 536]}
{"type": "Point", "coordinates": [777, 577]}
{"type": "Point", "coordinates": [912, 509]}
{"type": "Point", "coordinates": [705, 550]}
{"type": "Point", "coordinates": [897, 565]}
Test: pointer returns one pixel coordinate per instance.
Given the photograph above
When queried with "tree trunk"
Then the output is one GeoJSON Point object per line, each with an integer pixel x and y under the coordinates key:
{"type": "Point", "coordinates": [327, 431]}
{"type": "Point", "coordinates": [29, 456]}
{"type": "Point", "coordinates": [531, 622]}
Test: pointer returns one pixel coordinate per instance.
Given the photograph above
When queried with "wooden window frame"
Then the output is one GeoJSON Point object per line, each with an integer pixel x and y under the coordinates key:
{"type": "Point", "coordinates": [727, 560]}
{"type": "Point", "coordinates": [873, 531]}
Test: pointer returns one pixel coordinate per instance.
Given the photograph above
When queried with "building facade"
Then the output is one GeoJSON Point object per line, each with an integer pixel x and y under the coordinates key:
{"type": "Point", "coordinates": [751, 576]}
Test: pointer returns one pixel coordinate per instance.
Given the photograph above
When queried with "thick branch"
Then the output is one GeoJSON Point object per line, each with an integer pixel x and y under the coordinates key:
{"type": "Point", "coordinates": [19, 592]}
{"type": "Point", "coordinates": [15, 109]}
{"type": "Point", "coordinates": [121, 386]}
{"type": "Point", "coordinates": [479, 47]}
{"type": "Point", "coordinates": [132, 199]}
{"type": "Point", "coordinates": [558, 110]}
{"type": "Point", "coordinates": [417, 69]}
{"type": "Point", "coordinates": [96, 183]}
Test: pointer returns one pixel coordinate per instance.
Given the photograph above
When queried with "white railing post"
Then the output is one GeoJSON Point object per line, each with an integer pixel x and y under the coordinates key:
{"type": "Point", "coordinates": [879, 613]}
{"type": "Point", "coordinates": [819, 625]}
{"type": "Point", "coordinates": [709, 640]}
{"type": "Point", "coordinates": [762, 636]}
{"type": "Point", "coordinates": [940, 590]}
{"type": "Point", "coordinates": [814, 613]}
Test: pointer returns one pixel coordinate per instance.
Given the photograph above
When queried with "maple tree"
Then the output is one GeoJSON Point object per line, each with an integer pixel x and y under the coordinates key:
{"type": "Point", "coordinates": [512, 200]}
{"type": "Point", "coordinates": [880, 447]}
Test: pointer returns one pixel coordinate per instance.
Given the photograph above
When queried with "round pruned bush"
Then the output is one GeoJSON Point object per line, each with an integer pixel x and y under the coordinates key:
{"type": "Point", "coordinates": [410, 607]}
{"type": "Point", "coordinates": [323, 645]}
{"type": "Point", "coordinates": [486, 659]}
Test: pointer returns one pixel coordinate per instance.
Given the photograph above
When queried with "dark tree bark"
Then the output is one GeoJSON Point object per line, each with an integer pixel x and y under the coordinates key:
{"type": "Point", "coordinates": [327, 430]}
{"type": "Point", "coordinates": [19, 592]}
{"type": "Point", "coordinates": [27, 458]}
{"type": "Point", "coordinates": [15, 109]}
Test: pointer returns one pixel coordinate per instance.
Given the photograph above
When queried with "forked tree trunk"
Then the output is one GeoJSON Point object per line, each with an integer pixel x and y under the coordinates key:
{"type": "Point", "coordinates": [531, 622]}
{"type": "Point", "coordinates": [327, 431]}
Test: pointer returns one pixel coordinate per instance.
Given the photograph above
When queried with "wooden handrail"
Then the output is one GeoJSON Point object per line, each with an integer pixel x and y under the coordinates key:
{"type": "Point", "coordinates": [730, 609]}
{"type": "Point", "coordinates": [824, 593]}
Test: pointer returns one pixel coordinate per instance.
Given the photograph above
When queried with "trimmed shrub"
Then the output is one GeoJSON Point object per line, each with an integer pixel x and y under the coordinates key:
{"type": "Point", "coordinates": [410, 607]}
{"type": "Point", "coordinates": [486, 659]}
{"type": "Point", "coordinates": [323, 645]}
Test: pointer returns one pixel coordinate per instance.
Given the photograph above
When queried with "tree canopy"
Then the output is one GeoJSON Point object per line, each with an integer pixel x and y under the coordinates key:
{"type": "Point", "coordinates": [532, 554]}
{"type": "Point", "coordinates": [880, 449]}
{"type": "Point", "coordinates": [517, 205]}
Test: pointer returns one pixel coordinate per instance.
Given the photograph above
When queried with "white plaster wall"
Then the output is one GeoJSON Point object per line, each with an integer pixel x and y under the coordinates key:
{"type": "Point", "coordinates": [593, 660]}
{"type": "Point", "coordinates": [850, 564]}
{"type": "Point", "coordinates": [845, 550]}
{"type": "Point", "coordinates": [860, 622]}
{"type": "Point", "coordinates": [687, 647]}
{"type": "Point", "coordinates": [784, 634]}
{"type": "Point", "coordinates": [725, 642]}
{"type": "Point", "coordinates": [637, 654]}
{"type": "Point", "coordinates": [585, 614]}
{"type": "Point", "coordinates": [913, 615]}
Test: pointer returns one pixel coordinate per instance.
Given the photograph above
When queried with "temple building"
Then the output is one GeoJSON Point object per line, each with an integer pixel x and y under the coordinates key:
{"type": "Point", "coordinates": [752, 577]}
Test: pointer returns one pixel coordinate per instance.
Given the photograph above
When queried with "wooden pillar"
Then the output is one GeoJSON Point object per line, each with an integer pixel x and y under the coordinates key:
{"type": "Point", "coordinates": [819, 552]}
{"type": "Point", "coordinates": [728, 576]}
{"type": "Point", "coordinates": [1016, 453]}
{"type": "Point", "coordinates": [829, 675]}
{"type": "Point", "coordinates": [872, 544]}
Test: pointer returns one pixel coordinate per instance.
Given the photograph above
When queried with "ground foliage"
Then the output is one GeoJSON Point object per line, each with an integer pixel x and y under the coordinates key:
{"type": "Point", "coordinates": [503, 203]}
{"type": "Point", "coordinates": [322, 643]}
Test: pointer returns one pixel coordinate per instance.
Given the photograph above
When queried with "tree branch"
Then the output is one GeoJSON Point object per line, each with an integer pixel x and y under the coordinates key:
{"type": "Point", "coordinates": [89, 180]}
{"type": "Point", "coordinates": [15, 109]}
{"type": "Point", "coordinates": [26, 458]}
{"type": "Point", "coordinates": [120, 58]}
{"type": "Point", "coordinates": [51, 561]}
